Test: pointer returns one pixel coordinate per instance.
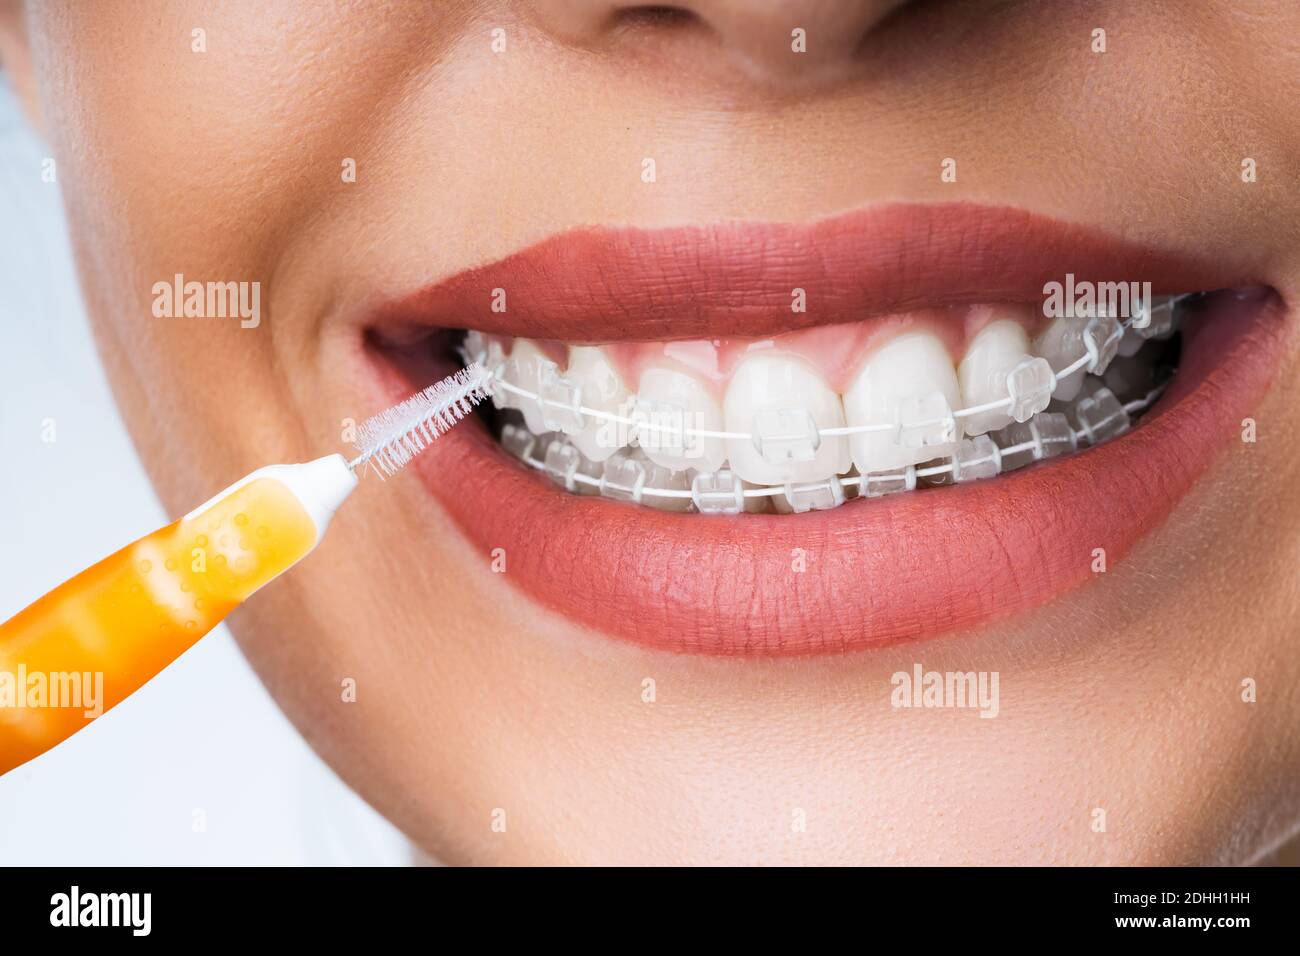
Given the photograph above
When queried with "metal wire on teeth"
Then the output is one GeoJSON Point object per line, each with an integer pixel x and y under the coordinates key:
{"type": "Point", "coordinates": [1041, 434]}
{"type": "Point", "coordinates": [1100, 341]}
{"type": "Point", "coordinates": [902, 478]}
{"type": "Point", "coordinates": [389, 440]}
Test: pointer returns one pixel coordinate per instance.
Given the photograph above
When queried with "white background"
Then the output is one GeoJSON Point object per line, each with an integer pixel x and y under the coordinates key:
{"type": "Point", "coordinates": [202, 737]}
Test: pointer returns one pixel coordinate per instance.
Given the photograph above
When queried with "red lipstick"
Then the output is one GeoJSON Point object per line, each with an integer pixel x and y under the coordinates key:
{"type": "Point", "coordinates": [736, 278]}
{"type": "Point", "coordinates": [877, 571]}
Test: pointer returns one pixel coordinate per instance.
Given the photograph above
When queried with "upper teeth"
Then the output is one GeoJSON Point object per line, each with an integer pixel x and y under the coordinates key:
{"type": "Point", "coordinates": [524, 368]}
{"type": "Point", "coordinates": [780, 422]}
{"type": "Point", "coordinates": [783, 402]}
{"type": "Point", "coordinates": [908, 381]}
{"type": "Point", "coordinates": [993, 354]}
{"type": "Point", "coordinates": [601, 388]}
{"type": "Point", "coordinates": [672, 390]}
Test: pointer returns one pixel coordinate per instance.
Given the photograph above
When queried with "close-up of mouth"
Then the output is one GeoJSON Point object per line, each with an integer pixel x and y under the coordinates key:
{"type": "Point", "coordinates": [851, 433]}
{"type": "Point", "coordinates": [783, 439]}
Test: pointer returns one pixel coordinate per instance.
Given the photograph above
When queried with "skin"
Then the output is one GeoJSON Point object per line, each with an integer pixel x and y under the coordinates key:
{"type": "Point", "coordinates": [1124, 695]}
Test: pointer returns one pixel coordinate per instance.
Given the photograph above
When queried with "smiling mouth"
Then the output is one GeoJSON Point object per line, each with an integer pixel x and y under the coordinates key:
{"type": "Point", "coordinates": [808, 420]}
{"type": "Point", "coordinates": [676, 395]}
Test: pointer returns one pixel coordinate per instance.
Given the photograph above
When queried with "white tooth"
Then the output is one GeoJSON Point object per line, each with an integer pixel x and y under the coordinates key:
{"type": "Point", "coordinates": [673, 400]}
{"type": "Point", "coordinates": [497, 363]}
{"type": "Point", "coordinates": [601, 389]}
{"type": "Point", "coordinates": [914, 365]}
{"type": "Point", "coordinates": [659, 476]}
{"type": "Point", "coordinates": [1061, 343]}
{"type": "Point", "coordinates": [783, 401]}
{"type": "Point", "coordinates": [523, 371]}
{"type": "Point", "coordinates": [996, 349]}
{"type": "Point", "coordinates": [474, 348]}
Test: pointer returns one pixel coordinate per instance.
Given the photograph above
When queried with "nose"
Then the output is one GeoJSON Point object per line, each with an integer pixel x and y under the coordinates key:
{"type": "Point", "coordinates": [784, 42]}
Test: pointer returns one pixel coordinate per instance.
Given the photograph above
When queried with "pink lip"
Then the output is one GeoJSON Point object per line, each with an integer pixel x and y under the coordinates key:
{"type": "Point", "coordinates": [604, 284]}
{"type": "Point", "coordinates": [878, 571]}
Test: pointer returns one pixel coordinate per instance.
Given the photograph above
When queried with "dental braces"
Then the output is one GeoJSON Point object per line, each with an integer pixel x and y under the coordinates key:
{"type": "Point", "coordinates": [793, 435]}
{"type": "Point", "coordinates": [1046, 435]}
{"type": "Point", "coordinates": [1029, 385]}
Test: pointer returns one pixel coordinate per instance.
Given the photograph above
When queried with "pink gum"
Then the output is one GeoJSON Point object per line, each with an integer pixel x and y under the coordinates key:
{"type": "Point", "coordinates": [836, 351]}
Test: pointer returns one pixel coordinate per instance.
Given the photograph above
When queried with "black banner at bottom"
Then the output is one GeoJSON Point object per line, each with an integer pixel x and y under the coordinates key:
{"type": "Point", "coordinates": [333, 906]}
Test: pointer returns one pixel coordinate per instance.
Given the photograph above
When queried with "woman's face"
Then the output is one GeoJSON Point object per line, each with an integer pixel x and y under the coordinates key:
{"type": "Point", "coordinates": [551, 677]}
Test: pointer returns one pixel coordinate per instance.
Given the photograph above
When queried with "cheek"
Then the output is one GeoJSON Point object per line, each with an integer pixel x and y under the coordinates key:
{"type": "Point", "coordinates": [195, 144]}
{"type": "Point", "coordinates": [201, 134]}
{"type": "Point", "coordinates": [182, 151]}
{"type": "Point", "coordinates": [199, 140]}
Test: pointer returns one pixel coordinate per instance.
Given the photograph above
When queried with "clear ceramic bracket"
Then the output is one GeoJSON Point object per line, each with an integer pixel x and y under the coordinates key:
{"type": "Point", "coordinates": [1101, 339]}
{"type": "Point", "coordinates": [976, 458]}
{"type": "Point", "coordinates": [815, 495]}
{"type": "Point", "coordinates": [660, 426]}
{"type": "Point", "coordinates": [928, 420]}
{"type": "Point", "coordinates": [1031, 384]}
{"type": "Point", "coordinates": [877, 484]}
{"type": "Point", "coordinates": [1101, 416]}
{"type": "Point", "coordinates": [924, 420]}
{"type": "Point", "coordinates": [560, 400]}
{"type": "Point", "coordinates": [1046, 435]}
{"type": "Point", "coordinates": [624, 478]}
{"type": "Point", "coordinates": [561, 463]}
{"type": "Point", "coordinates": [719, 492]}
{"type": "Point", "coordinates": [783, 435]}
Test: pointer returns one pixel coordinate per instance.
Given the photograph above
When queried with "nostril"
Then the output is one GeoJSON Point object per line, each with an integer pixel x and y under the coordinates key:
{"type": "Point", "coordinates": [654, 16]}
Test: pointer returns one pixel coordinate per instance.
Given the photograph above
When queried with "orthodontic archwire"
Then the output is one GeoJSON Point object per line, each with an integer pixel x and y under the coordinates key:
{"type": "Point", "coordinates": [907, 475]}
{"type": "Point", "coordinates": [1100, 339]}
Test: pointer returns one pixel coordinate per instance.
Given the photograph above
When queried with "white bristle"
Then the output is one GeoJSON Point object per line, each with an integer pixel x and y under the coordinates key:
{"type": "Point", "coordinates": [393, 437]}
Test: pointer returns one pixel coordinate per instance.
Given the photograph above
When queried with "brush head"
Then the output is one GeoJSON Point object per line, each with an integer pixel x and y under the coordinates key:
{"type": "Point", "coordinates": [389, 440]}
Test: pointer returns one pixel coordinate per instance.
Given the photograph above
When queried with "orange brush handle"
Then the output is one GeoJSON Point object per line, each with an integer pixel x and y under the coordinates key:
{"type": "Point", "coordinates": [92, 641]}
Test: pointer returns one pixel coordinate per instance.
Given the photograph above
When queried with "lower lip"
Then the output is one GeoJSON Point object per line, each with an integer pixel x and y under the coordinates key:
{"type": "Point", "coordinates": [876, 572]}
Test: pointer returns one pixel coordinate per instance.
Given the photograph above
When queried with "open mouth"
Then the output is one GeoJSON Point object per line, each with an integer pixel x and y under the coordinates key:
{"type": "Point", "coordinates": [808, 420]}
{"type": "Point", "coordinates": [737, 442]}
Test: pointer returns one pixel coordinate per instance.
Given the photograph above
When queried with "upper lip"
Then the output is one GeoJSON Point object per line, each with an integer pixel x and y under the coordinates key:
{"type": "Point", "coordinates": [878, 571]}
{"type": "Point", "coordinates": [604, 284]}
